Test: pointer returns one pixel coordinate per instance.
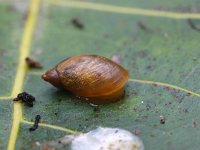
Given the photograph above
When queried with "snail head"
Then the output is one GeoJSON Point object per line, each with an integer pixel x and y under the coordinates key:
{"type": "Point", "coordinates": [52, 77]}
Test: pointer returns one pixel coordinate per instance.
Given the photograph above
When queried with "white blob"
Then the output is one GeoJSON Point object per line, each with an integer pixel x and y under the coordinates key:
{"type": "Point", "coordinates": [107, 139]}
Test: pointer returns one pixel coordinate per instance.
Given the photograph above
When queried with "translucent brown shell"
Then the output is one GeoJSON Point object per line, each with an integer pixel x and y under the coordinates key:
{"type": "Point", "coordinates": [95, 78]}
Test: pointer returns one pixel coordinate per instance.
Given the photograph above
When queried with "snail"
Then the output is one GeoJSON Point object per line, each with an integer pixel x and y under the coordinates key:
{"type": "Point", "coordinates": [94, 78]}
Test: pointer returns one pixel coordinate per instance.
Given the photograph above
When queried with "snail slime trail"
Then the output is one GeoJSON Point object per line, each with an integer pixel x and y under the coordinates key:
{"type": "Point", "coordinates": [96, 79]}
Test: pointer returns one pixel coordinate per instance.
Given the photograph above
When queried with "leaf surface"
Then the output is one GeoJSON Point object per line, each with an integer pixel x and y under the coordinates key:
{"type": "Point", "coordinates": [161, 54]}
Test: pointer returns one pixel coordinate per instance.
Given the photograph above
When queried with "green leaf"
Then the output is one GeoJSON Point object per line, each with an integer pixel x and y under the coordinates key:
{"type": "Point", "coordinates": [160, 51]}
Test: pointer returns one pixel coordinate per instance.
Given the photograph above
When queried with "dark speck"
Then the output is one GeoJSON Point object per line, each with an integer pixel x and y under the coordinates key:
{"type": "Point", "coordinates": [154, 59]}
{"type": "Point", "coordinates": [185, 110]}
{"type": "Point", "coordinates": [136, 131]}
{"type": "Point", "coordinates": [95, 107]}
{"type": "Point", "coordinates": [32, 63]}
{"type": "Point", "coordinates": [192, 25]}
{"type": "Point", "coordinates": [149, 67]}
{"type": "Point", "coordinates": [141, 25]}
{"type": "Point", "coordinates": [152, 135]}
{"type": "Point", "coordinates": [154, 84]}
{"type": "Point", "coordinates": [148, 106]}
{"type": "Point", "coordinates": [36, 122]}
{"type": "Point", "coordinates": [162, 119]}
{"type": "Point", "coordinates": [194, 123]}
{"type": "Point", "coordinates": [77, 23]}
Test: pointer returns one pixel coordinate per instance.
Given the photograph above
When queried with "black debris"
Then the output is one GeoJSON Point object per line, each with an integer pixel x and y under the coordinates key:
{"type": "Point", "coordinates": [25, 98]}
{"type": "Point", "coordinates": [36, 122]}
{"type": "Point", "coordinates": [96, 109]}
{"type": "Point", "coordinates": [136, 131]}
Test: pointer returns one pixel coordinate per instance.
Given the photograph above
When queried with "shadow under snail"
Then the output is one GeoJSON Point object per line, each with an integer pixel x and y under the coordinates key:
{"type": "Point", "coordinates": [97, 79]}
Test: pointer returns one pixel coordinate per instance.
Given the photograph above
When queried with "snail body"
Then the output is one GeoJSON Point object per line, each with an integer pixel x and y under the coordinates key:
{"type": "Point", "coordinates": [94, 78]}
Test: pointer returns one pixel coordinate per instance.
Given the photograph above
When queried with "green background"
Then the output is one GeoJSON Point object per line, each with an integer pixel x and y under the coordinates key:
{"type": "Point", "coordinates": [167, 51]}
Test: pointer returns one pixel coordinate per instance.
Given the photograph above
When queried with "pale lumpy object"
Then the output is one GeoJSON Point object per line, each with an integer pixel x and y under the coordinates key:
{"type": "Point", "coordinates": [107, 139]}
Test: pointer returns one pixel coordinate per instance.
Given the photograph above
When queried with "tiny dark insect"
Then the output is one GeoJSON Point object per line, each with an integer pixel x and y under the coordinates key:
{"type": "Point", "coordinates": [25, 98]}
{"type": "Point", "coordinates": [36, 122]}
{"type": "Point", "coordinates": [97, 79]}
{"type": "Point", "coordinates": [32, 63]}
{"type": "Point", "coordinates": [77, 23]}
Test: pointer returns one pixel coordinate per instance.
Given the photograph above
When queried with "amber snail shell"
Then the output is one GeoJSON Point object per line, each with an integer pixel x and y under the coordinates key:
{"type": "Point", "coordinates": [95, 78]}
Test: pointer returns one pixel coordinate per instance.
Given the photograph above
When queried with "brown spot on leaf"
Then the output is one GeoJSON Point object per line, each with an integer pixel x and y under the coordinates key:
{"type": "Point", "coordinates": [32, 63]}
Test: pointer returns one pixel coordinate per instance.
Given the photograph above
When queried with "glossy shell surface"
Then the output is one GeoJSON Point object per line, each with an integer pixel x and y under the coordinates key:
{"type": "Point", "coordinates": [95, 78]}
